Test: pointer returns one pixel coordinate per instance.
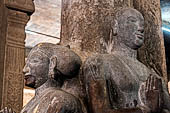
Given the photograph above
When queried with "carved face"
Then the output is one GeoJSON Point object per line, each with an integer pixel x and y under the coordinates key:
{"type": "Point", "coordinates": [131, 28]}
{"type": "Point", "coordinates": [36, 69]}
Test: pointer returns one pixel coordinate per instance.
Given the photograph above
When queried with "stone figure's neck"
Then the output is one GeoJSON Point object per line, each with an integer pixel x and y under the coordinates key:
{"type": "Point", "coordinates": [49, 83]}
{"type": "Point", "coordinates": [123, 50]}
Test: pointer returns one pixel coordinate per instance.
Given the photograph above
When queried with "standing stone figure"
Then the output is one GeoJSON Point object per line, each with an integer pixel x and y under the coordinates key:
{"type": "Point", "coordinates": [117, 82]}
{"type": "Point", "coordinates": [52, 70]}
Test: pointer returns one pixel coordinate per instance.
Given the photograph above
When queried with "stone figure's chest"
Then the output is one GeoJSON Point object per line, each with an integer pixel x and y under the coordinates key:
{"type": "Point", "coordinates": [126, 76]}
{"type": "Point", "coordinates": [123, 82]}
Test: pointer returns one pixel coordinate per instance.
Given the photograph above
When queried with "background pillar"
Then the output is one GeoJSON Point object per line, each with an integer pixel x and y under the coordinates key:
{"type": "Point", "coordinates": [14, 15]}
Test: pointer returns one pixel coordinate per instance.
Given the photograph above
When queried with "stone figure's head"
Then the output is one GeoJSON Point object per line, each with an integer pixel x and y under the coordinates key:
{"type": "Point", "coordinates": [129, 27]}
{"type": "Point", "coordinates": [49, 61]}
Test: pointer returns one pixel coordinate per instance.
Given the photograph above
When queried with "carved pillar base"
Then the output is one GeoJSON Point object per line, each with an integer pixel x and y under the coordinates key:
{"type": "Point", "coordinates": [12, 33]}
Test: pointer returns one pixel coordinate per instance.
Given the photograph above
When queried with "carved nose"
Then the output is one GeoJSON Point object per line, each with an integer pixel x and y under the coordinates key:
{"type": "Point", "coordinates": [141, 29]}
{"type": "Point", "coordinates": [25, 69]}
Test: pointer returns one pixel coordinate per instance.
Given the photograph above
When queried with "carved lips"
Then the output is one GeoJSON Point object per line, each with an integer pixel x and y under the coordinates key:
{"type": "Point", "coordinates": [140, 35]}
{"type": "Point", "coordinates": [29, 80]}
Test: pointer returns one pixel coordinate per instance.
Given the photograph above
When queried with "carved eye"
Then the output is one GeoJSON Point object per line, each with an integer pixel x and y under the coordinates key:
{"type": "Point", "coordinates": [132, 19]}
{"type": "Point", "coordinates": [35, 61]}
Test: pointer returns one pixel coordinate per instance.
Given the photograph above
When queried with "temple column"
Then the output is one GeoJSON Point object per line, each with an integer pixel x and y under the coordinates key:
{"type": "Point", "coordinates": [14, 15]}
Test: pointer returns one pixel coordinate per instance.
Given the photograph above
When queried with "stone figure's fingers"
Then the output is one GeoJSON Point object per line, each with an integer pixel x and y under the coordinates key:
{"type": "Point", "coordinates": [142, 94]}
{"type": "Point", "coordinates": [148, 83]}
{"type": "Point", "coordinates": [146, 86]}
{"type": "Point", "coordinates": [158, 84]}
{"type": "Point", "coordinates": [151, 83]}
{"type": "Point", "coordinates": [155, 85]}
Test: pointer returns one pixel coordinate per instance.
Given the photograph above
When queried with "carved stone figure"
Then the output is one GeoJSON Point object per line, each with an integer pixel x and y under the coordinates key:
{"type": "Point", "coordinates": [117, 82]}
{"type": "Point", "coordinates": [52, 70]}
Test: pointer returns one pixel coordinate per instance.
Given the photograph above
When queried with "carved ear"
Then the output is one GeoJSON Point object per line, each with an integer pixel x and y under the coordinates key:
{"type": "Point", "coordinates": [52, 66]}
{"type": "Point", "coordinates": [115, 27]}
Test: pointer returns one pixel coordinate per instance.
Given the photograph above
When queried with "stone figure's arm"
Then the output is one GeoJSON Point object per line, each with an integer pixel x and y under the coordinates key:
{"type": "Point", "coordinates": [98, 99]}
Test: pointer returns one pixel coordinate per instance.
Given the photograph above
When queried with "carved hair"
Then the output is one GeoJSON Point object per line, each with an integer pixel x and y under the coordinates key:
{"type": "Point", "coordinates": [68, 62]}
{"type": "Point", "coordinates": [121, 10]}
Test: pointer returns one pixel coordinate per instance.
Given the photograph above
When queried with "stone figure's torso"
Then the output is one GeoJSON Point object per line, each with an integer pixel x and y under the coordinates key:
{"type": "Point", "coordinates": [53, 100]}
{"type": "Point", "coordinates": [123, 76]}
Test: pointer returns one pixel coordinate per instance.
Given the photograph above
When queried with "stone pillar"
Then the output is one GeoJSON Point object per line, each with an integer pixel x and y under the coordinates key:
{"type": "Point", "coordinates": [85, 24]}
{"type": "Point", "coordinates": [14, 15]}
{"type": "Point", "coordinates": [152, 53]}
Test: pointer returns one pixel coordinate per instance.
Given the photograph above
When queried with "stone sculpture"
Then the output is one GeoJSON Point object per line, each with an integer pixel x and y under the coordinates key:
{"type": "Point", "coordinates": [117, 82]}
{"type": "Point", "coordinates": [52, 70]}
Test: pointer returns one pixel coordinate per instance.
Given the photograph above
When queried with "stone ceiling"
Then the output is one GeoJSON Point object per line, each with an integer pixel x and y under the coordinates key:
{"type": "Point", "coordinates": [44, 25]}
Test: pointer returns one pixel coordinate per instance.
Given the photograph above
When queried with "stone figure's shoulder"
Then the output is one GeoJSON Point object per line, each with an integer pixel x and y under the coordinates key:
{"type": "Point", "coordinates": [97, 64]}
{"type": "Point", "coordinates": [58, 98]}
{"type": "Point", "coordinates": [100, 58]}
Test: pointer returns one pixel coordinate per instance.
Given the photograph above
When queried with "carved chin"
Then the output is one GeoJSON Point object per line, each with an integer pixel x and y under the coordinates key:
{"type": "Point", "coordinates": [30, 81]}
{"type": "Point", "coordinates": [139, 43]}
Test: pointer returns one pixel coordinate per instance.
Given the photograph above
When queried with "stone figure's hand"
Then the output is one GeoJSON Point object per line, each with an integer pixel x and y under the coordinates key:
{"type": "Point", "coordinates": [7, 110]}
{"type": "Point", "coordinates": [151, 94]}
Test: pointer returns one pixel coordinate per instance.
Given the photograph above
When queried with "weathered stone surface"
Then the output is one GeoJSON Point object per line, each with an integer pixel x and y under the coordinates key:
{"type": "Point", "coordinates": [152, 53]}
{"type": "Point", "coordinates": [12, 34]}
{"type": "Point", "coordinates": [117, 82]}
{"type": "Point", "coordinates": [86, 27]}
{"type": "Point", "coordinates": [53, 71]}
{"type": "Point", "coordinates": [85, 24]}
{"type": "Point", "coordinates": [23, 5]}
